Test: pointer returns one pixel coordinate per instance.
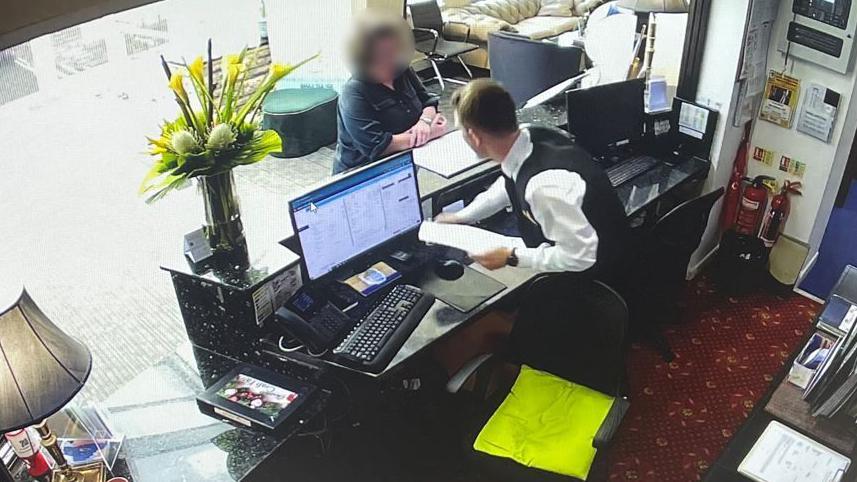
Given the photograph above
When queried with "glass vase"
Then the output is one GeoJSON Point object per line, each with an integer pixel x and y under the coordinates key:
{"type": "Point", "coordinates": [223, 227]}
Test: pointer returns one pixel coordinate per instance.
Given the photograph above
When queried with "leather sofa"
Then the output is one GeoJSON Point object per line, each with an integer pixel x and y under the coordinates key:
{"type": "Point", "coordinates": [536, 19]}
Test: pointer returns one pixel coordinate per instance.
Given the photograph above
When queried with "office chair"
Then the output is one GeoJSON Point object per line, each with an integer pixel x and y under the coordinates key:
{"type": "Point", "coordinates": [527, 67]}
{"type": "Point", "coordinates": [428, 35]}
{"type": "Point", "coordinates": [661, 274]}
{"type": "Point", "coordinates": [586, 351]}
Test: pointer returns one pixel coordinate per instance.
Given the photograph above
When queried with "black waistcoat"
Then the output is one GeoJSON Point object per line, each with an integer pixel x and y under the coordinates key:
{"type": "Point", "coordinates": [553, 150]}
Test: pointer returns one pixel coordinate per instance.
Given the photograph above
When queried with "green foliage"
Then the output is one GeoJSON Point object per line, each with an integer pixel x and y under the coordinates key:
{"type": "Point", "coordinates": [186, 148]}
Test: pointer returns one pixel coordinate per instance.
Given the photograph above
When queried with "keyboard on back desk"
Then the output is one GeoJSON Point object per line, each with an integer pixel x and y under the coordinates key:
{"type": "Point", "coordinates": [628, 169]}
{"type": "Point", "coordinates": [380, 334]}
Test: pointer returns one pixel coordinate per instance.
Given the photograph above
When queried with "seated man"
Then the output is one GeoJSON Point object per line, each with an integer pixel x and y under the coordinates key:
{"type": "Point", "coordinates": [570, 218]}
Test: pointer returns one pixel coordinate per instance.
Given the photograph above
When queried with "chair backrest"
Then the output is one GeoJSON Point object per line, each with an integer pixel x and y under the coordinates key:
{"type": "Point", "coordinates": [682, 228]}
{"type": "Point", "coordinates": [526, 67]}
{"type": "Point", "coordinates": [574, 328]}
{"type": "Point", "coordinates": [426, 14]}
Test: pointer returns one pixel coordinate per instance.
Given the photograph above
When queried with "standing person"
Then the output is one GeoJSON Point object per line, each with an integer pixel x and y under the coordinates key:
{"type": "Point", "coordinates": [569, 215]}
{"type": "Point", "coordinates": [384, 108]}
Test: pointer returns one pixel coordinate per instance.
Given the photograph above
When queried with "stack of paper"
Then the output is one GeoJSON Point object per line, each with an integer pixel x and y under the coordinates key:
{"type": "Point", "coordinates": [466, 238]}
{"type": "Point", "coordinates": [784, 455]}
{"type": "Point", "coordinates": [448, 155]}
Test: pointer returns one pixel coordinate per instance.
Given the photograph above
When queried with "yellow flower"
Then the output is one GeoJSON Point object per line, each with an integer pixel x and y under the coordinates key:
{"type": "Point", "coordinates": [177, 84]}
{"type": "Point", "coordinates": [278, 71]}
{"type": "Point", "coordinates": [232, 72]}
{"type": "Point", "coordinates": [196, 69]}
{"type": "Point", "coordinates": [227, 60]}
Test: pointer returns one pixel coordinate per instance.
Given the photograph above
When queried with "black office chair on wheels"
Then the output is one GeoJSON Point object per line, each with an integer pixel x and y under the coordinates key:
{"type": "Point", "coordinates": [661, 271]}
{"type": "Point", "coordinates": [569, 397]}
{"type": "Point", "coordinates": [428, 35]}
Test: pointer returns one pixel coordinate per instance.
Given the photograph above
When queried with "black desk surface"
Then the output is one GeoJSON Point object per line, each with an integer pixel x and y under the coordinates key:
{"type": "Point", "coordinates": [205, 449]}
{"type": "Point", "coordinates": [725, 468]}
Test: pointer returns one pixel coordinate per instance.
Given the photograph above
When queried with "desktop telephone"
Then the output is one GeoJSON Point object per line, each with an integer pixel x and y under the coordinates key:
{"type": "Point", "coordinates": [315, 322]}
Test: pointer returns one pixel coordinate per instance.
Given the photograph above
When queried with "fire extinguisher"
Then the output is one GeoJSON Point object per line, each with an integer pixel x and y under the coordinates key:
{"type": "Point", "coordinates": [779, 213]}
{"type": "Point", "coordinates": [753, 203]}
{"type": "Point", "coordinates": [732, 200]}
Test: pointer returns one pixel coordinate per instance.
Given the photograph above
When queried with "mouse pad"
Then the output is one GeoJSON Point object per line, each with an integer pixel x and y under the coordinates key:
{"type": "Point", "coordinates": [463, 294]}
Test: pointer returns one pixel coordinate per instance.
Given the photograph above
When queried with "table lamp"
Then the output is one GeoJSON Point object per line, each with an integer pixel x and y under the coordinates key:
{"type": "Point", "coordinates": [41, 370]}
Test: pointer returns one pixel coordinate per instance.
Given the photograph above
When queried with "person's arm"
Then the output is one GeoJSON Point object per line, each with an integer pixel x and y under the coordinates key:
{"type": "Point", "coordinates": [556, 199]}
{"type": "Point", "coordinates": [433, 122]}
{"type": "Point", "coordinates": [400, 142]}
{"type": "Point", "coordinates": [369, 137]}
{"type": "Point", "coordinates": [485, 204]}
{"type": "Point", "coordinates": [427, 99]}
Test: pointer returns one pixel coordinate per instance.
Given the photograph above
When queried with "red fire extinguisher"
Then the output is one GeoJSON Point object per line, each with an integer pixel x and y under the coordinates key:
{"type": "Point", "coordinates": [732, 200]}
{"type": "Point", "coordinates": [752, 207]}
{"type": "Point", "coordinates": [779, 213]}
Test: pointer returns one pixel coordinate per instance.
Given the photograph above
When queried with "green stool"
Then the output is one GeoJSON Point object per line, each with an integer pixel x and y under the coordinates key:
{"type": "Point", "coordinates": [304, 118]}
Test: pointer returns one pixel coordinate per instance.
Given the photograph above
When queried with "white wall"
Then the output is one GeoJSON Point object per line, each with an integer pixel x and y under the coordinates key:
{"type": "Point", "coordinates": [717, 89]}
{"type": "Point", "coordinates": [820, 157]}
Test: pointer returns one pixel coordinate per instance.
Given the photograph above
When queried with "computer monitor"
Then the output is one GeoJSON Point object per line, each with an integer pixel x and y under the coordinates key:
{"type": "Point", "coordinates": [607, 116]}
{"type": "Point", "coordinates": [355, 213]}
{"type": "Point", "coordinates": [693, 127]}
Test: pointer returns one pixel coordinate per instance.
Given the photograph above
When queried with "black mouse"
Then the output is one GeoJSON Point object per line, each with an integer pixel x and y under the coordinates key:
{"type": "Point", "coordinates": [449, 269]}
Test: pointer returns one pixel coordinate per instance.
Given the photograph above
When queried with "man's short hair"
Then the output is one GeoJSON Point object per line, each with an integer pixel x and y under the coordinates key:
{"type": "Point", "coordinates": [485, 105]}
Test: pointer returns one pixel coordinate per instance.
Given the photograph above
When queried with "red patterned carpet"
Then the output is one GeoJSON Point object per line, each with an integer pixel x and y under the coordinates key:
{"type": "Point", "coordinates": [683, 413]}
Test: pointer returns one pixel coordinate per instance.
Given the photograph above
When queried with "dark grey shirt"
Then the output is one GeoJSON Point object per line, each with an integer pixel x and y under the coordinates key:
{"type": "Point", "coordinates": [371, 113]}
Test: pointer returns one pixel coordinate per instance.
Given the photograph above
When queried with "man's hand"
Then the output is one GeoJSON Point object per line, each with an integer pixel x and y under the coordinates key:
{"type": "Point", "coordinates": [494, 259]}
{"type": "Point", "coordinates": [448, 218]}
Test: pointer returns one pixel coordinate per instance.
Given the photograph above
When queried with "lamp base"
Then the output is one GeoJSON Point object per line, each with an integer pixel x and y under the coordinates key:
{"type": "Point", "coordinates": [94, 472]}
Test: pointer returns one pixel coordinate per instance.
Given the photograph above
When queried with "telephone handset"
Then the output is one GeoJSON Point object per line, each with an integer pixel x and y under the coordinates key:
{"type": "Point", "coordinates": [317, 323]}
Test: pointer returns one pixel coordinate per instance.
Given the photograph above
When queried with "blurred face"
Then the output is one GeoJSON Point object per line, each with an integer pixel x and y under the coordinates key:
{"type": "Point", "coordinates": [386, 59]}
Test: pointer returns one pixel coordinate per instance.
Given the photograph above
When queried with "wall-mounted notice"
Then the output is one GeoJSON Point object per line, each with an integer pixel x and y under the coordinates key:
{"type": "Point", "coordinates": [754, 59]}
{"type": "Point", "coordinates": [781, 97]}
{"type": "Point", "coordinates": [818, 112]}
{"type": "Point", "coordinates": [764, 156]}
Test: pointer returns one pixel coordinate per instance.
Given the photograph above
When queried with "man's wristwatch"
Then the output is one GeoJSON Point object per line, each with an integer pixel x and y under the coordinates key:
{"type": "Point", "coordinates": [512, 260]}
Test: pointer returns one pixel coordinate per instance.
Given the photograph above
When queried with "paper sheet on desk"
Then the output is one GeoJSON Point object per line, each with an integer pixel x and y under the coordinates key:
{"type": "Point", "coordinates": [448, 155]}
{"type": "Point", "coordinates": [466, 238]}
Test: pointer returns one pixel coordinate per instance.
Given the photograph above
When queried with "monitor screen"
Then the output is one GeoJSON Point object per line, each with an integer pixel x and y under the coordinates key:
{"type": "Point", "coordinates": [353, 214]}
{"type": "Point", "coordinates": [606, 116]}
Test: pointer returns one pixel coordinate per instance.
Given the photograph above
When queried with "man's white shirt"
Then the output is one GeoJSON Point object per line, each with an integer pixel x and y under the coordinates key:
{"type": "Point", "coordinates": [555, 197]}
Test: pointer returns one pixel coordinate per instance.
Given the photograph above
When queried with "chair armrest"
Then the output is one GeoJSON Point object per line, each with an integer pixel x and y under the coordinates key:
{"type": "Point", "coordinates": [464, 24]}
{"type": "Point", "coordinates": [461, 376]}
{"type": "Point", "coordinates": [431, 31]}
{"type": "Point", "coordinates": [611, 423]}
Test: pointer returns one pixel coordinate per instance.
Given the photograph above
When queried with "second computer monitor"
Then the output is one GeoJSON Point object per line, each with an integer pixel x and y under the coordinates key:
{"type": "Point", "coordinates": [355, 213]}
{"type": "Point", "coordinates": [606, 116]}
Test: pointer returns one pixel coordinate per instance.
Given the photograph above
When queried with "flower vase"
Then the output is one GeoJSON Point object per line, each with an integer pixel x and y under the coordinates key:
{"type": "Point", "coordinates": [223, 227]}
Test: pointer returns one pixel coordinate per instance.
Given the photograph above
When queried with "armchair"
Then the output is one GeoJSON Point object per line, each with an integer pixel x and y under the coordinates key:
{"type": "Point", "coordinates": [429, 40]}
{"type": "Point", "coordinates": [583, 357]}
{"type": "Point", "coordinates": [526, 67]}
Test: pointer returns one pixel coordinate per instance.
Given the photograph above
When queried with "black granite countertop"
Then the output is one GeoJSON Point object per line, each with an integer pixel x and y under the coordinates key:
{"type": "Point", "coordinates": [167, 438]}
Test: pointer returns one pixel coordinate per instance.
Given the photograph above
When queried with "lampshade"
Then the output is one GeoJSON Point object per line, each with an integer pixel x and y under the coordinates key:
{"type": "Point", "coordinates": [655, 6]}
{"type": "Point", "coordinates": [41, 368]}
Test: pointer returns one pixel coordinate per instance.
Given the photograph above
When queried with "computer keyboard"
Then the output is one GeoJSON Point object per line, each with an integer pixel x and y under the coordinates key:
{"type": "Point", "coordinates": [377, 337]}
{"type": "Point", "coordinates": [629, 169]}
